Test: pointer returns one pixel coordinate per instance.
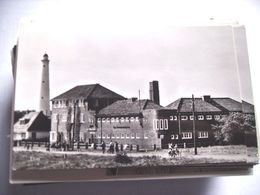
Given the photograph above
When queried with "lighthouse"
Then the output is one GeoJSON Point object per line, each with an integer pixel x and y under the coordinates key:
{"type": "Point", "coordinates": [45, 88]}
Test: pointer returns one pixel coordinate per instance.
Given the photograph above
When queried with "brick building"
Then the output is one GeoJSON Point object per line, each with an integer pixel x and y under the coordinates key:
{"type": "Point", "coordinates": [129, 122]}
{"type": "Point", "coordinates": [74, 112]}
{"type": "Point", "coordinates": [93, 113]}
{"type": "Point", "coordinates": [207, 111]}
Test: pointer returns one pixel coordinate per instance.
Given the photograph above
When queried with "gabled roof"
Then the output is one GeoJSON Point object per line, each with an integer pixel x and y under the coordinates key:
{"type": "Point", "coordinates": [34, 121]}
{"type": "Point", "coordinates": [229, 104]}
{"type": "Point", "coordinates": [224, 104]}
{"type": "Point", "coordinates": [128, 107]}
{"type": "Point", "coordinates": [185, 105]}
{"type": "Point", "coordinates": [247, 108]}
{"type": "Point", "coordinates": [88, 91]}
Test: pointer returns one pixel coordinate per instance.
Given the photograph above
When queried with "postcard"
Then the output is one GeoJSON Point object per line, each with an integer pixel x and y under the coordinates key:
{"type": "Point", "coordinates": [94, 103]}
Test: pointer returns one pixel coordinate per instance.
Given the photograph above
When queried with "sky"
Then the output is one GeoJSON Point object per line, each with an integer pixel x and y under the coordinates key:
{"type": "Point", "coordinates": [125, 57]}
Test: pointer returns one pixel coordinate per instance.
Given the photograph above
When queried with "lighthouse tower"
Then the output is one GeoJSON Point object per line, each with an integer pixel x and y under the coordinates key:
{"type": "Point", "coordinates": [45, 88]}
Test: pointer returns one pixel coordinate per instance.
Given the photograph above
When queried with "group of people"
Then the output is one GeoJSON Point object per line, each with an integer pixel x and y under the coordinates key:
{"type": "Point", "coordinates": [113, 147]}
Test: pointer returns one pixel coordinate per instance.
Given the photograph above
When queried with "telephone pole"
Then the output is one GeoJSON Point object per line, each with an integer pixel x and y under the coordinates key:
{"type": "Point", "coordinates": [194, 126]}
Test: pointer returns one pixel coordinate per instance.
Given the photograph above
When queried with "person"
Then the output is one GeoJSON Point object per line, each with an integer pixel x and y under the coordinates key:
{"type": "Point", "coordinates": [116, 147]}
{"type": "Point", "coordinates": [111, 147]}
{"type": "Point", "coordinates": [92, 145]}
{"type": "Point", "coordinates": [103, 146]}
{"type": "Point", "coordinates": [125, 147]}
{"type": "Point", "coordinates": [173, 150]}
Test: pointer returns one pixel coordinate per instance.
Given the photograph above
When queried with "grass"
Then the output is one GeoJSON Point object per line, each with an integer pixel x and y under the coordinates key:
{"type": "Point", "coordinates": [47, 160]}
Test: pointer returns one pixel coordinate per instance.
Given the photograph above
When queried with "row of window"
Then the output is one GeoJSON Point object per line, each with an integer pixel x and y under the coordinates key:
{"type": "Point", "coordinates": [122, 136]}
{"type": "Point", "coordinates": [199, 117]}
{"type": "Point", "coordinates": [65, 103]}
{"type": "Point", "coordinates": [188, 135]}
{"type": "Point", "coordinates": [118, 119]}
{"type": "Point", "coordinates": [158, 124]}
{"type": "Point", "coordinates": [66, 117]}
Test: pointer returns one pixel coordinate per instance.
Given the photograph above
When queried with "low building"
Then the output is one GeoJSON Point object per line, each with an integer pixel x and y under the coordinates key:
{"type": "Point", "coordinates": [129, 122]}
{"type": "Point", "coordinates": [74, 112]}
{"type": "Point", "coordinates": [32, 126]}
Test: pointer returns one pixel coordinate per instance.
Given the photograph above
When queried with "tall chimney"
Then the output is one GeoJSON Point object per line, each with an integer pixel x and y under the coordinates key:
{"type": "Point", "coordinates": [154, 92]}
{"type": "Point", "coordinates": [45, 89]}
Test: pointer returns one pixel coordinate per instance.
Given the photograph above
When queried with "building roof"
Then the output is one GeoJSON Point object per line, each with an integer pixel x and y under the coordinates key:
{"type": "Point", "coordinates": [88, 91]}
{"type": "Point", "coordinates": [128, 107]}
{"type": "Point", "coordinates": [185, 105]}
{"type": "Point", "coordinates": [33, 121]}
{"type": "Point", "coordinates": [228, 104]}
{"type": "Point", "coordinates": [209, 104]}
{"type": "Point", "coordinates": [247, 108]}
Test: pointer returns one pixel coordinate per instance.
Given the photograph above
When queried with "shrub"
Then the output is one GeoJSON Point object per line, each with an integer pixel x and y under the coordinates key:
{"type": "Point", "coordinates": [123, 158]}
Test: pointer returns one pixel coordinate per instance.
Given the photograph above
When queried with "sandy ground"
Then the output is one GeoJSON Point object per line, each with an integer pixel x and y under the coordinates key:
{"type": "Point", "coordinates": [39, 158]}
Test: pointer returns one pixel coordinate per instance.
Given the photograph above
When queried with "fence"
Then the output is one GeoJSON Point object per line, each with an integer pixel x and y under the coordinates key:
{"type": "Point", "coordinates": [81, 146]}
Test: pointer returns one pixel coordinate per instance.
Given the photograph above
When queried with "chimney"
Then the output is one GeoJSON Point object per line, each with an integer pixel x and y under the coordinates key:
{"type": "Point", "coordinates": [154, 92]}
{"type": "Point", "coordinates": [206, 98]}
{"type": "Point", "coordinates": [45, 89]}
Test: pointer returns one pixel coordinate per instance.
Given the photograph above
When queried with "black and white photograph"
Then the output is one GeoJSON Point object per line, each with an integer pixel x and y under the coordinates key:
{"type": "Point", "coordinates": [99, 97]}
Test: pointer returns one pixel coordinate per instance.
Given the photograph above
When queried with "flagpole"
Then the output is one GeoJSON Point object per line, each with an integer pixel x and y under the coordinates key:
{"type": "Point", "coordinates": [193, 125]}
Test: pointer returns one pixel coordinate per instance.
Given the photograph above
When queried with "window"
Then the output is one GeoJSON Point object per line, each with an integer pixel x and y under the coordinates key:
{"type": "Point", "coordinates": [173, 118]}
{"type": "Point", "coordinates": [132, 136]}
{"type": "Point", "coordinates": [53, 136]}
{"type": "Point", "coordinates": [200, 117]}
{"type": "Point", "coordinates": [108, 120]}
{"type": "Point", "coordinates": [117, 119]}
{"type": "Point", "coordinates": [103, 120]}
{"type": "Point", "coordinates": [191, 117]}
{"type": "Point", "coordinates": [108, 136]}
{"type": "Point", "coordinates": [112, 119]}
{"type": "Point", "coordinates": [122, 119]}
{"type": "Point", "coordinates": [160, 124]}
{"type": "Point", "coordinates": [209, 117]}
{"type": "Point", "coordinates": [127, 136]}
{"type": "Point", "coordinates": [186, 135]}
{"type": "Point", "coordinates": [132, 119]}
{"type": "Point", "coordinates": [118, 136]}
{"type": "Point", "coordinates": [55, 117]}
{"type": "Point", "coordinates": [203, 134]}
{"type": "Point", "coordinates": [217, 117]}
{"type": "Point", "coordinates": [126, 119]}
{"type": "Point", "coordinates": [64, 117]}
{"type": "Point", "coordinates": [82, 120]}
{"type": "Point", "coordinates": [113, 136]}
{"type": "Point", "coordinates": [137, 135]}
{"type": "Point", "coordinates": [72, 118]}
{"type": "Point", "coordinates": [145, 136]}
{"type": "Point", "coordinates": [91, 120]}
{"type": "Point", "coordinates": [184, 118]}
{"type": "Point", "coordinates": [137, 119]}
{"type": "Point", "coordinates": [98, 136]}
{"type": "Point", "coordinates": [122, 136]}
{"type": "Point", "coordinates": [174, 136]}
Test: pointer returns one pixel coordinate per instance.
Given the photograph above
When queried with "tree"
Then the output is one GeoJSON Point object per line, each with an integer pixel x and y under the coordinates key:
{"type": "Point", "coordinates": [231, 129]}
